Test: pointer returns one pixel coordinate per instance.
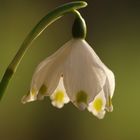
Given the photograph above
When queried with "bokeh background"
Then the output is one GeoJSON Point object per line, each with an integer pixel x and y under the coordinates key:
{"type": "Point", "coordinates": [114, 33]}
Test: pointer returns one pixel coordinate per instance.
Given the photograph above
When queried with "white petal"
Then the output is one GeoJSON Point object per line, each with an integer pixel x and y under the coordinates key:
{"type": "Point", "coordinates": [29, 97]}
{"type": "Point", "coordinates": [110, 83]}
{"type": "Point", "coordinates": [55, 71]}
{"type": "Point", "coordinates": [109, 88]}
{"type": "Point", "coordinates": [48, 73]}
{"type": "Point", "coordinates": [83, 73]}
{"type": "Point", "coordinates": [97, 107]}
{"type": "Point", "coordinates": [50, 64]}
{"type": "Point", "coordinates": [59, 97]}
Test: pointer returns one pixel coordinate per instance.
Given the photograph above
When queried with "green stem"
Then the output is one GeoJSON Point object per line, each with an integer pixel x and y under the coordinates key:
{"type": "Point", "coordinates": [34, 34]}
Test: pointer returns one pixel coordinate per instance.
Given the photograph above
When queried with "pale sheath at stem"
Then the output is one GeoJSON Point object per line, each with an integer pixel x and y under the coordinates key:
{"type": "Point", "coordinates": [74, 73]}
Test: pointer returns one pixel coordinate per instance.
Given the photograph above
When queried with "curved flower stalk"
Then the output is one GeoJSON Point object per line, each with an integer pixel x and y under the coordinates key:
{"type": "Point", "coordinates": [33, 35]}
{"type": "Point", "coordinates": [74, 73]}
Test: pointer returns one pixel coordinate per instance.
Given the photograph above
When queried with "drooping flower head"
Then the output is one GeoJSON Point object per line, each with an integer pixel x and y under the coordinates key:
{"type": "Point", "coordinates": [74, 73]}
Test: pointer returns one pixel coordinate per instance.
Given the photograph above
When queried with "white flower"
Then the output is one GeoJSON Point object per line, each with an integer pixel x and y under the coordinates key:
{"type": "Point", "coordinates": [74, 73]}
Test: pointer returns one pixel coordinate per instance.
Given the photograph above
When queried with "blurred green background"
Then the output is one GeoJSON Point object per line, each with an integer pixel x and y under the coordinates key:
{"type": "Point", "coordinates": [114, 33]}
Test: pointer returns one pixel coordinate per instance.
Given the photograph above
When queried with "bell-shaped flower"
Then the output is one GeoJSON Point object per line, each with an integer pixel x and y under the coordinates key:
{"type": "Point", "coordinates": [74, 73]}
